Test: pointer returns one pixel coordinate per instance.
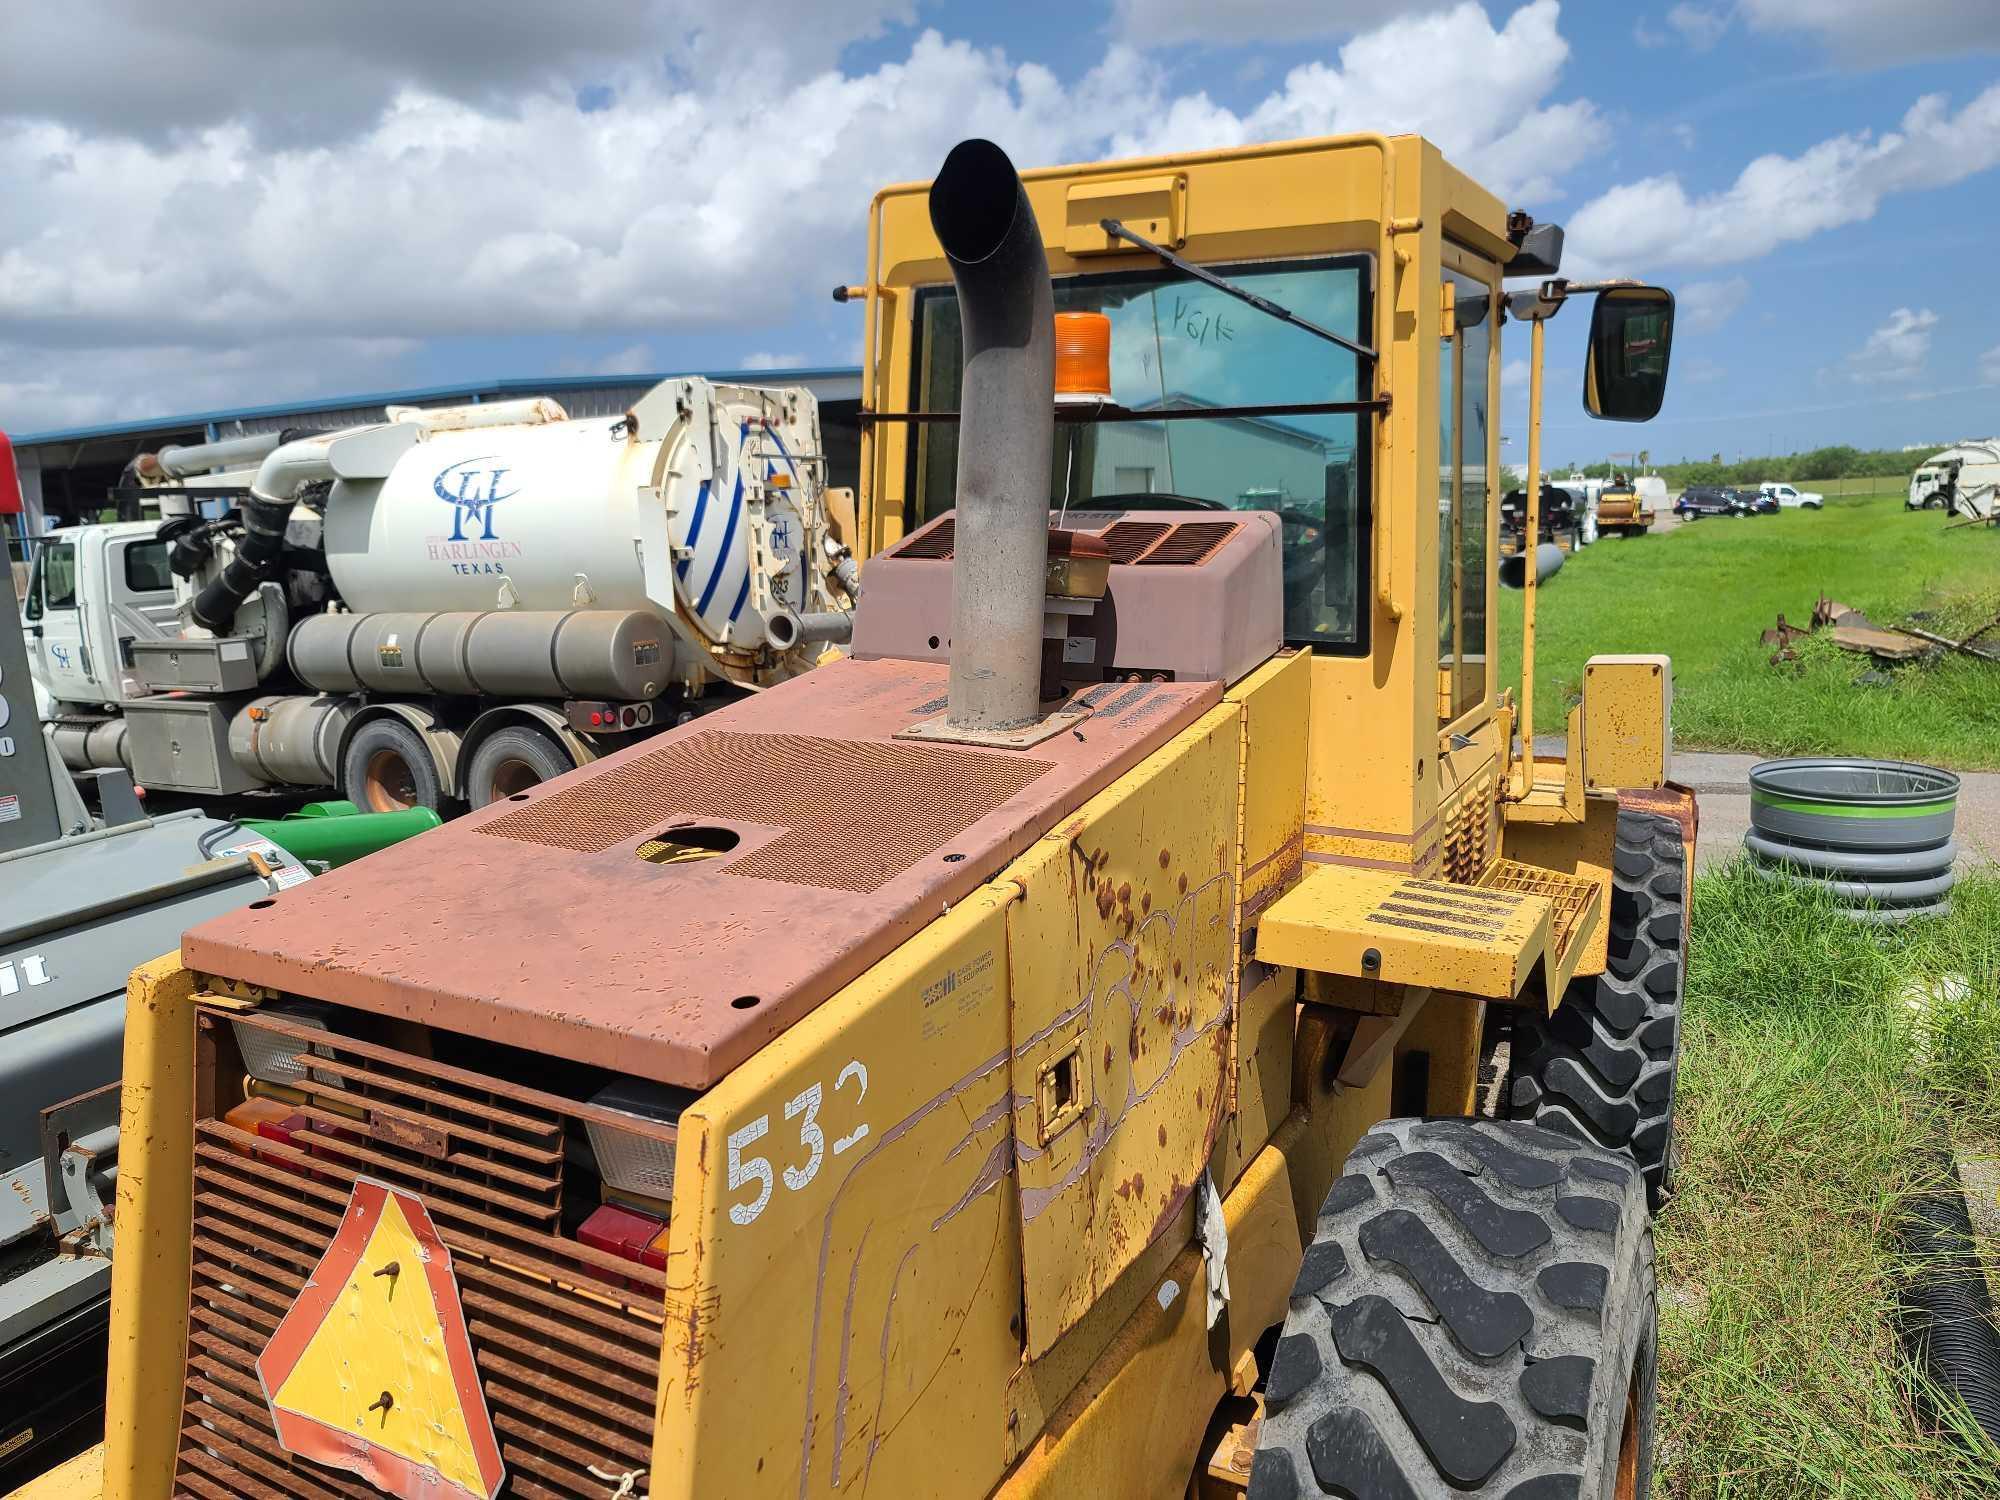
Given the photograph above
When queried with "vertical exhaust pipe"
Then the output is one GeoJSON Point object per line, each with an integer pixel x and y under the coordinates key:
{"type": "Point", "coordinates": [1006, 430]}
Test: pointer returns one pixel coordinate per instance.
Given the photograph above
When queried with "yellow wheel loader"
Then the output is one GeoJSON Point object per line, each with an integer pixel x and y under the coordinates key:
{"type": "Point", "coordinates": [1141, 1024]}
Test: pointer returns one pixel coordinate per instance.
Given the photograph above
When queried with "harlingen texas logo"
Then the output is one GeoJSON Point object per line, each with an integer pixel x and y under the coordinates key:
{"type": "Point", "coordinates": [473, 488]}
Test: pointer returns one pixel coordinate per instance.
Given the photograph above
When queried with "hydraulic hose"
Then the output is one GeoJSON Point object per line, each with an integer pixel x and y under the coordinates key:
{"type": "Point", "coordinates": [266, 513]}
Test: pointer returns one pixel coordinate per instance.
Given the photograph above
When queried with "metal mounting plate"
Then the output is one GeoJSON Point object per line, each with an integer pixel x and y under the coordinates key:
{"type": "Point", "coordinates": [1045, 728]}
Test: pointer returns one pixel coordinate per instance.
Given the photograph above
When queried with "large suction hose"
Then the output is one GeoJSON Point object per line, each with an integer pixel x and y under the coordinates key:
{"type": "Point", "coordinates": [1006, 430]}
{"type": "Point", "coordinates": [284, 471]}
{"type": "Point", "coordinates": [1514, 569]}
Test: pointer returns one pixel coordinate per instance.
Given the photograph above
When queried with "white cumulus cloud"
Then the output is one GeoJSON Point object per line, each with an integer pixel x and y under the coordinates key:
{"type": "Point", "coordinates": [1700, 26]}
{"type": "Point", "coordinates": [1897, 350]}
{"type": "Point", "coordinates": [207, 206]}
{"type": "Point", "coordinates": [1874, 32]}
{"type": "Point", "coordinates": [1484, 98]}
{"type": "Point", "coordinates": [1153, 23]}
{"type": "Point", "coordinates": [1778, 199]}
{"type": "Point", "coordinates": [1705, 306]}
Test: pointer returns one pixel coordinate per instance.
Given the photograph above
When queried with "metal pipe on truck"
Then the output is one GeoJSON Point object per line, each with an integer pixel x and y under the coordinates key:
{"type": "Point", "coordinates": [200, 458]}
{"type": "Point", "coordinates": [787, 630]}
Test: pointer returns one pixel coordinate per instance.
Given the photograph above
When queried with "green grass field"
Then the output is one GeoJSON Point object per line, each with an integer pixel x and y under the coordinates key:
{"type": "Point", "coordinates": [1705, 592]}
{"type": "Point", "coordinates": [1810, 1090]}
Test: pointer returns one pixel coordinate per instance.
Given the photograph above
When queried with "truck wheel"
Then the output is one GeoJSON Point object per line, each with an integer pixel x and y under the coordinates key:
{"type": "Point", "coordinates": [388, 767]}
{"type": "Point", "coordinates": [1602, 1067]}
{"type": "Point", "coordinates": [1474, 1317]}
{"type": "Point", "coordinates": [510, 761]}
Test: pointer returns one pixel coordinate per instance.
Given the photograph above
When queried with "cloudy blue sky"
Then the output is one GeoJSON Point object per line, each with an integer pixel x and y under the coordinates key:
{"type": "Point", "coordinates": [218, 202]}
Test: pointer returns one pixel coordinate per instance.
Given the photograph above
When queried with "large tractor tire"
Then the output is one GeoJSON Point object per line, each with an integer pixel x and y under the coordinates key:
{"type": "Point", "coordinates": [1475, 1316]}
{"type": "Point", "coordinates": [1602, 1067]}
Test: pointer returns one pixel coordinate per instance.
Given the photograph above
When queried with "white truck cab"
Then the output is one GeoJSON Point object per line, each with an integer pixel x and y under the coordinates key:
{"type": "Point", "coordinates": [1964, 479]}
{"type": "Point", "coordinates": [92, 591]}
{"type": "Point", "coordinates": [1793, 499]}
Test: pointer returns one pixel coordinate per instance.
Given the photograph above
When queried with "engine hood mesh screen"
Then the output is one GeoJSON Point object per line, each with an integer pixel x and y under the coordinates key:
{"type": "Point", "coordinates": [853, 813]}
{"type": "Point", "coordinates": [1191, 545]}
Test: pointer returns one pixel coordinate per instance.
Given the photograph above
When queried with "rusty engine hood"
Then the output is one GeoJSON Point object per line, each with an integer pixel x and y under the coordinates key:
{"type": "Point", "coordinates": [535, 923]}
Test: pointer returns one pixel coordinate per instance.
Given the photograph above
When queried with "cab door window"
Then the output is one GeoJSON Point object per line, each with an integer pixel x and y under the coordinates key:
{"type": "Point", "coordinates": [53, 585]}
{"type": "Point", "coordinates": [1464, 422]}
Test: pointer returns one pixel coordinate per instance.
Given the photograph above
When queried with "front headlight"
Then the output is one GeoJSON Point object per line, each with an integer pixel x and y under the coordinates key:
{"type": "Point", "coordinates": [628, 1161]}
{"type": "Point", "coordinates": [272, 1056]}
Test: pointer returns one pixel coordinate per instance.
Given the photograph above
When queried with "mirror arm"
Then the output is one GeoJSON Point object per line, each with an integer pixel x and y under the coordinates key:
{"type": "Point", "coordinates": [1557, 289]}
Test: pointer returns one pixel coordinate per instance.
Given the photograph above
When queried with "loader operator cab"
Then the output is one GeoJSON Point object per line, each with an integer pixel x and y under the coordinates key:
{"type": "Point", "coordinates": [1262, 366]}
{"type": "Point", "coordinates": [1178, 346]}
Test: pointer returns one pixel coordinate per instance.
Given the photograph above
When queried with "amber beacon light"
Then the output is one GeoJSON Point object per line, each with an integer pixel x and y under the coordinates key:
{"type": "Point", "coordinates": [1083, 357]}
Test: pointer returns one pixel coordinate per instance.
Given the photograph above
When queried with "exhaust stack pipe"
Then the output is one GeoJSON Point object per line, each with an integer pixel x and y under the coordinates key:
{"type": "Point", "coordinates": [1006, 430]}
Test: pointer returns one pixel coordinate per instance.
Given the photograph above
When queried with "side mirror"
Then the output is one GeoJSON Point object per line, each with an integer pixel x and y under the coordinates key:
{"type": "Point", "coordinates": [1631, 336]}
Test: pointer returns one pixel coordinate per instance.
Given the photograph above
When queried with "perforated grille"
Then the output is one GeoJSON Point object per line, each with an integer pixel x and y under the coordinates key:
{"type": "Point", "coordinates": [1468, 826]}
{"type": "Point", "coordinates": [935, 543]}
{"type": "Point", "coordinates": [854, 814]}
{"type": "Point", "coordinates": [565, 1337]}
{"type": "Point", "coordinates": [1128, 539]}
{"type": "Point", "coordinates": [1569, 895]}
{"type": "Point", "coordinates": [1190, 545]}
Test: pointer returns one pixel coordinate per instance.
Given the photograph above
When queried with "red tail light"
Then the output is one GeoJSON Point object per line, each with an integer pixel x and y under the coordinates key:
{"type": "Point", "coordinates": [625, 1232]}
{"type": "Point", "coordinates": [273, 1120]}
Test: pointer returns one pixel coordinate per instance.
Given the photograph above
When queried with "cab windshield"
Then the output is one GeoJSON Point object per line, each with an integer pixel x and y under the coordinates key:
{"type": "Point", "coordinates": [1178, 344]}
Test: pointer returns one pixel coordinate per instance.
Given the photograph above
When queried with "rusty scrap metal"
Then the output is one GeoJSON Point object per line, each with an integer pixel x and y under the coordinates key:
{"type": "Point", "coordinates": [1856, 632]}
{"type": "Point", "coordinates": [1852, 630]}
{"type": "Point", "coordinates": [1965, 646]}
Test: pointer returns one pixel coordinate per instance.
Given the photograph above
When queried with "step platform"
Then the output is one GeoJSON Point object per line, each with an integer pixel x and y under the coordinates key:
{"type": "Point", "coordinates": [1516, 936]}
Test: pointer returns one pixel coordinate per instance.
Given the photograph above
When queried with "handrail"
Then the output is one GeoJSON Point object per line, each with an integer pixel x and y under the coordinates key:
{"type": "Point", "coordinates": [1382, 517]}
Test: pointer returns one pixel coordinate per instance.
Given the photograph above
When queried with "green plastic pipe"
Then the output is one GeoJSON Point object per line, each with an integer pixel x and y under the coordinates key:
{"type": "Point", "coordinates": [331, 834]}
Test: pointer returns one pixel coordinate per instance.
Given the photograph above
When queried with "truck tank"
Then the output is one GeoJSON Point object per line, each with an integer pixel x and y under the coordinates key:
{"type": "Point", "coordinates": [707, 515]}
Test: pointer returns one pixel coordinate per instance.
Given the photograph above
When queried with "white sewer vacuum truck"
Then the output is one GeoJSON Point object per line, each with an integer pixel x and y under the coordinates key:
{"type": "Point", "coordinates": [450, 606]}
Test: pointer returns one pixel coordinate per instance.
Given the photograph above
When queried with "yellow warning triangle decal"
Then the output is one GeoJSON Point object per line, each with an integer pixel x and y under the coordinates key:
{"type": "Point", "coordinates": [372, 1371]}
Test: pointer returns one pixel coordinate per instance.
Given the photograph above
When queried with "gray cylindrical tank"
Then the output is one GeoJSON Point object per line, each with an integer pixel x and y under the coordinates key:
{"type": "Point", "coordinates": [585, 653]}
{"type": "Point", "coordinates": [291, 741]}
{"type": "Point", "coordinates": [93, 747]}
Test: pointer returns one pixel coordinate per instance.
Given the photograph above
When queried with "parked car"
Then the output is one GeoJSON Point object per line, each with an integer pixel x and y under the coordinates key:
{"type": "Point", "coordinates": [1757, 502]}
{"type": "Point", "coordinates": [1792, 499]}
{"type": "Point", "coordinates": [1700, 500]}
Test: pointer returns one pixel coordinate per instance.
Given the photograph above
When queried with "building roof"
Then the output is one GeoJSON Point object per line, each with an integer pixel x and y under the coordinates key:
{"type": "Point", "coordinates": [828, 383]}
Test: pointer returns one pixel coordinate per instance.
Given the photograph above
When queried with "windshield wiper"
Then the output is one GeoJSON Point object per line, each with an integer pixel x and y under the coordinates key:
{"type": "Point", "coordinates": [1118, 231]}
